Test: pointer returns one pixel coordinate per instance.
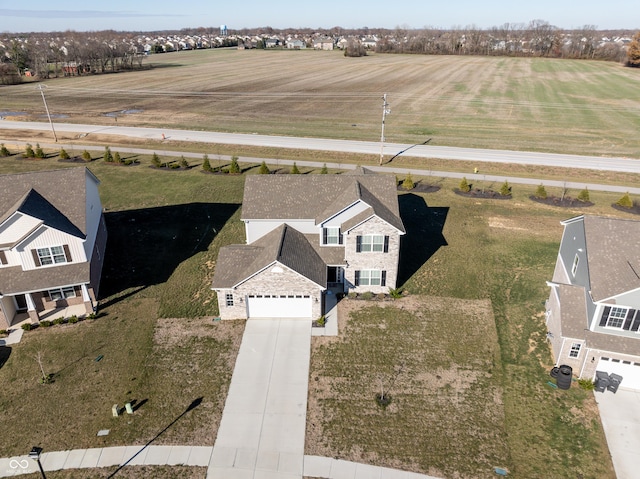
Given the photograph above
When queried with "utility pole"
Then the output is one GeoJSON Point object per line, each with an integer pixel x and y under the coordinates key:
{"type": "Point", "coordinates": [41, 87]}
{"type": "Point", "coordinates": [385, 111]}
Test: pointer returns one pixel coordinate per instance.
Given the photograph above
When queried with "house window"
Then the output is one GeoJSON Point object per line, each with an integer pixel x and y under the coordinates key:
{"type": "Point", "coordinates": [53, 255]}
{"type": "Point", "coordinates": [62, 293]}
{"type": "Point", "coordinates": [371, 243]}
{"type": "Point", "coordinates": [370, 277]}
{"type": "Point", "coordinates": [616, 317]}
{"type": "Point", "coordinates": [228, 299]}
{"type": "Point", "coordinates": [331, 235]}
{"type": "Point", "coordinates": [575, 350]}
{"type": "Point", "coordinates": [574, 268]}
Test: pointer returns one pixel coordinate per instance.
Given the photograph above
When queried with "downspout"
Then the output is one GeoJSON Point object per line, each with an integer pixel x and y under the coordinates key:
{"type": "Point", "coordinates": [585, 361]}
{"type": "Point", "coordinates": [561, 349]}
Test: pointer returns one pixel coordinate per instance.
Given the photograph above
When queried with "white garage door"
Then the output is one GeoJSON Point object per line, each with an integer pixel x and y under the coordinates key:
{"type": "Point", "coordinates": [274, 306]}
{"type": "Point", "coordinates": [629, 371]}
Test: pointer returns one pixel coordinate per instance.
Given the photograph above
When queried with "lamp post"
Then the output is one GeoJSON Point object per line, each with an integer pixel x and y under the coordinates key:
{"type": "Point", "coordinates": [41, 87]}
{"type": "Point", "coordinates": [385, 111]}
{"type": "Point", "coordinates": [35, 455]}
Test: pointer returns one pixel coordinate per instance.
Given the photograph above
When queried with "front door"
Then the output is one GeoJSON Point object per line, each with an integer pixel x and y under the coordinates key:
{"type": "Point", "coordinates": [335, 277]}
{"type": "Point", "coordinates": [21, 303]}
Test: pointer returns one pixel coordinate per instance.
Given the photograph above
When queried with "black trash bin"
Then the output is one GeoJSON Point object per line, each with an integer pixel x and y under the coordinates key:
{"type": "Point", "coordinates": [614, 382]}
{"type": "Point", "coordinates": [602, 381]}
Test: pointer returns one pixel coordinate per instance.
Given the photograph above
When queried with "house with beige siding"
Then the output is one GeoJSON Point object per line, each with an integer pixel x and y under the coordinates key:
{"type": "Point", "coordinates": [52, 243]}
{"type": "Point", "coordinates": [308, 236]}
{"type": "Point", "coordinates": [593, 310]}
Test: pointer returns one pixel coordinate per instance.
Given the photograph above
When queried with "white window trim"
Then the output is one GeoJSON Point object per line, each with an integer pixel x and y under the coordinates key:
{"type": "Point", "coordinates": [370, 276]}
{"type": "Point", "coordinates": [47, 257]}
{"type": "Point", "coordinates": [617, 317]}
{"type": "Point", "coordinates": [368, 243]}
{"type": "Point", "coordinates": [574, 352]}
{"type": "Point", "coordinates": [62, 293]}
{"type": "Point", "coordinates": [228, 299]}
{"type": "Point", "coordinates": [330, 236]}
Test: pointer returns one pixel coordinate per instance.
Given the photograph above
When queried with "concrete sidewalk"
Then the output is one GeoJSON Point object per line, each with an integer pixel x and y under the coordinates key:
{"type": "Point", "coordinates": [262, 430]}
{"type": "Point", "coordinates": [108, 456]}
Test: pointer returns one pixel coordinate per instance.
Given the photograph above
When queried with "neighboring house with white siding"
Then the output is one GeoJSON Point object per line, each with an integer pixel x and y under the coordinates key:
{"type": "Point", "coordinates": [307, 235]}
{"type": "Point", "coordinates": [52, 243]}
{"type": "Point", "coordinates": [593, 311]}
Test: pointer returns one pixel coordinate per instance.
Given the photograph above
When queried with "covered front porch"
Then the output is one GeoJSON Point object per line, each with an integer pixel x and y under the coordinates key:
{"type": "Point", "coordinates": [49, 304]}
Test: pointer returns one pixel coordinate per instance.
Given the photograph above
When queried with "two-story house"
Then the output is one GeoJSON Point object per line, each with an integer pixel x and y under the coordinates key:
{"type": "Point", "coordinates": [593, 311]}
{"type": "Point", "coordinates": [307, 234]}
{"type": "Point", "coordinates": [52, 243]}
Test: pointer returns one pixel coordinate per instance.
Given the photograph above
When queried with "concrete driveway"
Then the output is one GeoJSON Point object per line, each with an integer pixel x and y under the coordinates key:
{"type": "Point", "coordinates": [620, 415]}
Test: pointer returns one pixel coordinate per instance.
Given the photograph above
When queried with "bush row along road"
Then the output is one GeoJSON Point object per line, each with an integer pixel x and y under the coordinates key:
{"type": "Point", "coordinates": [627, 165]}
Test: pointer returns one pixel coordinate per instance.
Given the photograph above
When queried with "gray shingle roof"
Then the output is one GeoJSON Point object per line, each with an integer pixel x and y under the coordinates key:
{"type": "Point", "coordinates": [284, 244]}
{"type": "Point", "coordinates": [574, 324]}
{"type": "Point", "coordinates": [58, 197]}
{"type": "Point", "coordinates": [15, 281]}
{"type": "Point", "coordinates": [613, 252]}
{"type": "Point", "coordinates": [318, 197]}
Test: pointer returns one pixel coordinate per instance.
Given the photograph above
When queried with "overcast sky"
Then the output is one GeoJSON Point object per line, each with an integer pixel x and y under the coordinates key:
{"type": "Point", "coordinates": [149, 15]}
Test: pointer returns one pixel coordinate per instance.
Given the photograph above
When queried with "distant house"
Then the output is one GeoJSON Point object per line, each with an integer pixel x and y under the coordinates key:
{"type": "Point", "coordinates": [323, 44]}
{"type": "Point", "coordinates": [296, 44]}
{"type": "Point", "coordinates": [308, 235]}
{"type": "Point", "coordinates": [593, 311]}
{"type": "Point", "coordinates": [271, 43]}
{"type": "Point", "coordinates": [52, 243]}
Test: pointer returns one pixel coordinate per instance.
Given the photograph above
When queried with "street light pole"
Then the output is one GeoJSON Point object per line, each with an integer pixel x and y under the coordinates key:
{"type": "Point", "coordinates": [41, 88]}
{"type": "Point", "coordinates": [385, 111]}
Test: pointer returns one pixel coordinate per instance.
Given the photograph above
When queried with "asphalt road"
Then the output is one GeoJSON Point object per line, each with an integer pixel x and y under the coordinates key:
{"type": "Point", "coordinates": [628, 165]}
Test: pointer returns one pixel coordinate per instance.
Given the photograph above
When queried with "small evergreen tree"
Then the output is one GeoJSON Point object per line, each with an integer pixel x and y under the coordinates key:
{"type": "Point", "coordinates": [39, 153]}
{"type": "Point", "coordinates": [28, 151]}
{"type": "Point", "coordinates": [86, 156]}
{"type": "Point", "coordinates": [625, 201]}
{"type": "Point", "coordinates": [584, 196]}
{"type": "Point", "coordinates": [183, 162]}
{"type": "Point", "coordinates": [264, 169]}
{"type": "Point", "coordinates": [408, 183]}
{"type": "Point", "coordinates": [234, 168]}
{"type": "Point", "coordinates": [505, 190]}
{"type": "Point", "coordinates": [108, 157]}
{"type": "Point", "coordinates": [324, 170]}
{"type": "Point", "coordinates": [4, 151]}
{"type": "Point", "coordinates": [116, 158]}
{"type": "Point", "coordinates": [294, 169]}
{"type": "Point", "coordinates": [155, 160]}
{"type": "Point", "coordinates": [206, 164]}
{"type": "Point", "coordinates": [541, 192]}
{"type": "Point", "coordinates": [63, 154]}
{"type": "Point", "coordinates": [464, 185]}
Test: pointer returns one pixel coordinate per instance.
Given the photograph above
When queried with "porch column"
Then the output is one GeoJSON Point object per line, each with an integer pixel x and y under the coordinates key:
{"type": "Point", "coordinates": [31, 309]}
{"type": "Point", "coordinates": [86, 297]}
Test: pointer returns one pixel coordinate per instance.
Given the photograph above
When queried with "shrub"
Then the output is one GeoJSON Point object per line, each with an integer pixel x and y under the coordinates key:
{"type": "Point", "coordinates": [294, 169]}
{"type": "Point", "coordinates": [586, 384]}
{"type": "Point", "coordinates": [39, 153]}
{"type": "Point", "coordinates": [352, 295]}
{"type": "Point", "coordinates": [45, 323]}
{"type": "Point", "coordinates": [625, 201]}
{"type": "Point", "coordinates": [4, 333]}
{"type": "Point", "coordinates": [584, 196]}
{"type": "Point", "coordinates": [264, 169]}
{"type": "Point", "coordinates": [4, 151]}
{"type": "Point", "coordinates": [27, 326]}
{"type": "Point", "coordinates": [408, 183]}
{"type": "Point", "coordinates": [155, 160]}
{"type": "Point", "coordinates": [59, 320]}
{"type": "Point", "coordinates": [63, 154]}
{"type": "Point", "coordinates": [321, 321]}
{"type": "Point", "coordinates": [116, 158]}
{"type": "Point", "coordinates": [174, 166]}
{"type": "Point", "coordinates": [464, 185]}
{"type": "Point", "coordinates": [73, 319]}
{"type": "Point", "coordinates": [129, 162]}
{"type": "Point", "coordinates": [395, 293]}
{"type": "Point", "coordinates": [86, 156]}
{"type": "Point", "coordinates": [206, 164]}
{"type": "Point", "coordinates": [324, 170]}
{"type": "Point", "coordinates": [505, 190]}
{"type": "Point", "coordinates": [92, 316]}
{"type": "Point", "coordinates": [367, 295]}
{"type": "Point", "coordinates": [234, 168]}
{"type": "Point", "coordinates": [107, 154]}
{"type": "Point", "coordinates": [183, 162]}
{"type": "Point", "coordinates": [541, 192]}
{"type": "Point", "coordinates": [28, 151]}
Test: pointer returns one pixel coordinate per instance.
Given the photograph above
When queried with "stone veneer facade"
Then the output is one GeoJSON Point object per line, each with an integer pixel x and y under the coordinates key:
{"type": "Point", "coordinates": [270, 282]}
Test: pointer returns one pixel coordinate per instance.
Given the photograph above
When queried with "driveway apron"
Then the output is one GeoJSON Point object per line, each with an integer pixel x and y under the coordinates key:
{"type": "Point", "coordinates": [262, 430]}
